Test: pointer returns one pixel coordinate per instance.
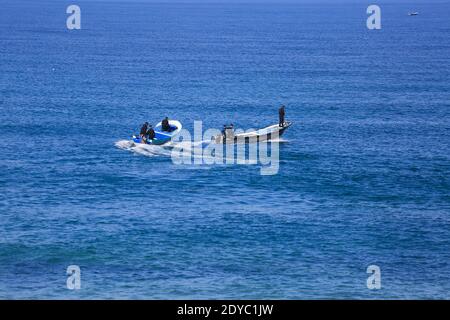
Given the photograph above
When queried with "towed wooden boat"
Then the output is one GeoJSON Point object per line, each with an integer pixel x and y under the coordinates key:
{"type": "Point", "coordinates": [266, 133]}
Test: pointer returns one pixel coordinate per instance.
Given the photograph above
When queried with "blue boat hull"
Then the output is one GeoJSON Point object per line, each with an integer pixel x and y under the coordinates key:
{"type": "Point", "coordinates": [161, 137]}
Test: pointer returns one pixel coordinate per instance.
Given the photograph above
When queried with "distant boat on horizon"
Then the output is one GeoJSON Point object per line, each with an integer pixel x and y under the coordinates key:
{"type": "Point", "coordinates": [413, 13]}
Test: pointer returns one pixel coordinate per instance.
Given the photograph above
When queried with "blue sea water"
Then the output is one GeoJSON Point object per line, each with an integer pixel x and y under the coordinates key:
{"type": "Point", "coordinates": [363, 177]}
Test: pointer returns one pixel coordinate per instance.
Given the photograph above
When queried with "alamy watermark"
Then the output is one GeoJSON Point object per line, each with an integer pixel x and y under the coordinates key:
{"type": "Point", "coordinates": [374, 280]}
{"type": "Point", "coordinates": [374, 20]}
{"type": "Point", "coordinates": [74, 277]}
{"type": "Point", "coordinates": [74, 20]}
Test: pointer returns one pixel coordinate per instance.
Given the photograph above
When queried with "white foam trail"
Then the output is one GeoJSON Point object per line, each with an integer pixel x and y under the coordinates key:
{"type": "Point", "coordinates": [166, 150]}
{"type": "Point", "coordinates": [124, 144]}
{"type": "Point", "coordinates": [143, 149]}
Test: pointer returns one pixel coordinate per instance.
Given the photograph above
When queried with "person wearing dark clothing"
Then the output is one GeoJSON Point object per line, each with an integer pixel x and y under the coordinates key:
{"type": "Point", "coordinates": [281, 113]}
{"type": "Point", "coordinates": [165, 124]}
{"type": "Point", "coordinates": [143, 132]}
{"type": "Point", "coordinates": [150, 133]}
{"type": "Point", "coordinates": [144, 129]}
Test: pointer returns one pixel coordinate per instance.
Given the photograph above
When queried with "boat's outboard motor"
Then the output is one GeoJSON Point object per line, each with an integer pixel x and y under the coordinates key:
{"type": "Point", "coordinates": [226, 136]}
{"type": "Point", "coordinates": [229, 133]}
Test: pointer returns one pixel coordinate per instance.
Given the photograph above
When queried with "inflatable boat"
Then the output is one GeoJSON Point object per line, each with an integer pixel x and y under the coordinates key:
{"type": "Point", "coordinates": [161, 136]}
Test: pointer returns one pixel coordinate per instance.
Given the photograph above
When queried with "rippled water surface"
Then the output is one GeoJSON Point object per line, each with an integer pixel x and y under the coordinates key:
{"type": "Point", "coordinates": [364, 170]}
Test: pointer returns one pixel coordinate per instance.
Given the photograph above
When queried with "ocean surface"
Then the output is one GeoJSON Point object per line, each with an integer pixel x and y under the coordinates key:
{"type": "Point", "coordinates": [363, 176]}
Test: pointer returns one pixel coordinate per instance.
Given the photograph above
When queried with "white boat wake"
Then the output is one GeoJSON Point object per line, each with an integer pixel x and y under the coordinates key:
{"type": "Point", "coordinates": [149, 150]}
{"type": "Point", "coordinates": [208, 154]}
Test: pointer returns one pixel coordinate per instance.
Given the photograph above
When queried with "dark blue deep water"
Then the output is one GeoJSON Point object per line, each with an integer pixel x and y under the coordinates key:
{"type": "Point", "coordinates": [364, 173]}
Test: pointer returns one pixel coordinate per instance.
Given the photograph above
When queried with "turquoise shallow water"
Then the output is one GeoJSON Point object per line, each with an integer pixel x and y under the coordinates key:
{"type": "Point", "coordinates": [364, 173]}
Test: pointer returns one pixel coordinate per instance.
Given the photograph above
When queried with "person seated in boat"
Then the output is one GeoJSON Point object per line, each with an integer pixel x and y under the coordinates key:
{"type": "Point", "coordinates": [165, 126]}
{"type": "Point", "coordinates": [143, 132]}
{"type": "Point", "coordinates": [281, 114]}
{"type": "Point", "coordinates": [150, 133]}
